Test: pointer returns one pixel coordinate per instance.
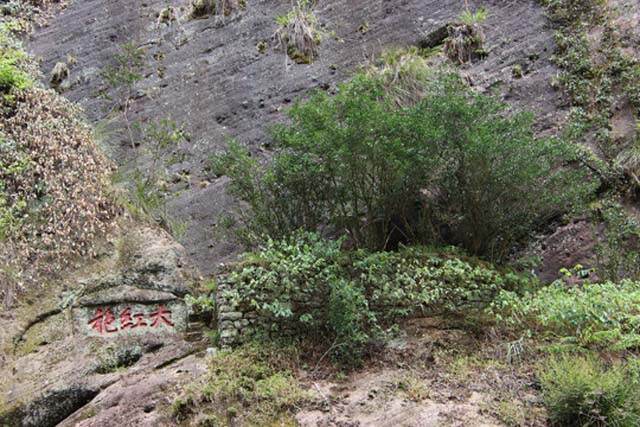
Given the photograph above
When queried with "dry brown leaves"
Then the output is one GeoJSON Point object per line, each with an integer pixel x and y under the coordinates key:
{"type": "Point", "coordinates": [65, 186]}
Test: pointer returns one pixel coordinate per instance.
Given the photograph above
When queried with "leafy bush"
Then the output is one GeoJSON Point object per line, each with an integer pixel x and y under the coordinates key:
{"type": "Point", "coordinates": [579, 391]}
{"type": "Point", "coordinates": [602, 315]}
{"type": "Point", "coordinates": [306, 286]}
{"type": "Point", "coordinates": [13, 62]}
{"type": "Point", "coordinates": [454, 167]}
{"type": "Point", "coordinates": [351, 321]}
{"type": "Point", "coordinates": [420, 281]}
{"type": "Point", "coordinates": [618, 251]}
{"type": "Point", "coordinates": [11, 77]}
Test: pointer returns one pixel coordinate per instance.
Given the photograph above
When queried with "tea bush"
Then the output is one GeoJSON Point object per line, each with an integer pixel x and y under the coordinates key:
{"type": "Point", "coordinates": [307, 286]}
{"type": "Point", "coordinates": [453, 167]}
{"type": "Point", "coordinates": [580, 391]}
{"type": "Point", "coordinates": [603, 315]}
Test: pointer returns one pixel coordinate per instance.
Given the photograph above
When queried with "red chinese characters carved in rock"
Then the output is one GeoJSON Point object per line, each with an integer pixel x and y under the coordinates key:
{"type": "Point", "coordinates": [104, 322]}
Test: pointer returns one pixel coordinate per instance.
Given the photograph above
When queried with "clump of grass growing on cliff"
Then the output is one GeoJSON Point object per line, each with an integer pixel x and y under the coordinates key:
{"type": "Point", "coordinates": [465, 41]}
{"type": "Point", "coordinates": [404, 74]}
{"type": "Point", "coordinates": [298, 33]}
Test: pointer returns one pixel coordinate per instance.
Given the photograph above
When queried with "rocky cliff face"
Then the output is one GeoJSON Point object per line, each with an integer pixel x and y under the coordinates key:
{"type": "Point", "coordinates": [218, 79]}
{"type": "Point", "coordinates": [215, 78]}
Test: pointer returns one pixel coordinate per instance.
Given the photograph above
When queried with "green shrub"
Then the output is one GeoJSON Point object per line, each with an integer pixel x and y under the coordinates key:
{"type": "Point", "coordinates": [454, 167]}
{"type": "Point", "coordinates": [419, 281]}
{"type": "Point", "coordinates": [618, 250]}
{"type": "Point", "coordinates": [351, 321]}
{"type": "Point", "coordinates": [12, 61]}
{"type": "Point", "coordinates": [580, 391]}
{"type": "Point", "coordinates": [11, 77]}
{"type": "Point", "coordinates": [306, 286]}
{"type": "Point", "coordinates": [572, 12]}
{"type": "Point", "coordinates": [13, 207]}
{"type": "Point", "coordinates": [603, 315]}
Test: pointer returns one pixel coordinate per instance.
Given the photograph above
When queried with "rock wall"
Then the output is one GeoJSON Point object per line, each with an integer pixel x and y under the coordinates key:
{"type": "Point", "coordinates": [122, 316]}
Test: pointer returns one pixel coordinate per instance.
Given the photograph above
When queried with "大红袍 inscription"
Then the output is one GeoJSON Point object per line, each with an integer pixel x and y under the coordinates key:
{"type": "Point", "coordinates": [111, 320]}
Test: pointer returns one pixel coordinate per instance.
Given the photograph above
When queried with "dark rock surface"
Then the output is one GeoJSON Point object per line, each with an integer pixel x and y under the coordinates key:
{"type": "Point", "coordinates": [208, 76]}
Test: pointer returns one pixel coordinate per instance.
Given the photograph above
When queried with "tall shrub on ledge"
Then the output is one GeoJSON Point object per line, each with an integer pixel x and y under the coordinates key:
{"type": "Point", "coordinates": [454, 167]}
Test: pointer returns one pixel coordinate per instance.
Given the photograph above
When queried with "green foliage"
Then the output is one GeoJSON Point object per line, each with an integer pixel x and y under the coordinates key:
{"type": "Point", "coordinates": [602, 315]}
{"type": "Point", "coordinates": [351, 321]}
{"type": "Point", "coordinates": [255, 377]}
{"type": "Point", "coordinates": [306, 286]}
{"type": "Point", "coordinates": [580, 391]}
{"type": "Point", "coordinates": [13, 207]}
{"type": "Point", "coordinates": [472, 18]}
{"type": "Point", "coordinates": [631, 78]}
{"type": "Point", "coordinates": [618, 252]}
{"type": "Point", "coordinates": [13, 76]}
{"type": "Point", "coordinates": [418, 281]}
{"type": "Point", "coordinates": [453, 167]}
{"type": "Point", "coordinates": [126, 68]}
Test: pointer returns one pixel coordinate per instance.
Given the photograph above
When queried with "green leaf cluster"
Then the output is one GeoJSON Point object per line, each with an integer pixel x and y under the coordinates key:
{"type": "Point", "coordinates": [598, 315]}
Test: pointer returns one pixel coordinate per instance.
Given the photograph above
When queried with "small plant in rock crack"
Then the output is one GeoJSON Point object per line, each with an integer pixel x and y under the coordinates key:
{"type": "Point", "coordinates": [121, 78]}
{"type": "Point", "coordinates": [147, 183]}
{"type": "Point", "coordinates": [298, 32]}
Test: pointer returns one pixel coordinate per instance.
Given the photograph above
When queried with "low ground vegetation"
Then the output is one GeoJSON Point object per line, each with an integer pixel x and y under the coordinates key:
{"type": "Point", "coordinates": [582, 391]}
{"type": "Point", "coordinates": [252, 385]}
{"type": "Point", "coordinates": [306, 286]}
